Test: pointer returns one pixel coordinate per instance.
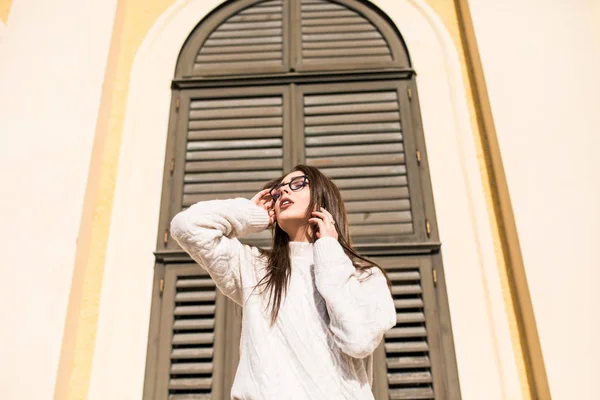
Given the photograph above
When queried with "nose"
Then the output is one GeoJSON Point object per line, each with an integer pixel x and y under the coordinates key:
{"type": "Point", "coordinates": [285, 189]}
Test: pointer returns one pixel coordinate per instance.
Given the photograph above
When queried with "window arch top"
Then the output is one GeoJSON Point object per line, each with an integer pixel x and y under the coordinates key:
{"type": "Point", "coordinates": [278, 36]}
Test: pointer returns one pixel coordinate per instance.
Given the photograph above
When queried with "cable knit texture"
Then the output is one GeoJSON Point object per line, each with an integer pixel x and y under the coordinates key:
{"type": "Point", "coordinates": [329, 323]}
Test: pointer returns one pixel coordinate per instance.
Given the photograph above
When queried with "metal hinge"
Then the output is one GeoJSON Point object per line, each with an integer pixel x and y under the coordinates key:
{"type": "Point", "coordinates": [161, 286]}
{"type": "Point", "coordinates": [428, 227]}
{"type": "Point", "coordinates": [409, 93]}
{"type": "Point", "coordinates": [177, 102]}
{"type": "Point", "coordinates": [434, 277]}
{"type": "Point", "coordinates": [166, 237]}
{"type": "Point", "coordinates": [418, 157]}
{"type": "Point", "coordinates": [172, 167]}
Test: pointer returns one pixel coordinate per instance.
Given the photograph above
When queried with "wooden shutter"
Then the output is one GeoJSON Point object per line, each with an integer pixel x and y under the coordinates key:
{"type": "Point", "coordinates": [411, 348]}
{"type": "Point", "coordinates": [358, 139]}
{"type": "Point", "coordinates": [249, 40]}
{"type": "Point", "coordinates": [233, 145]}
{"type": "Point", "coordinates": [191, 346]}
{"type": "Point", "coordinates": [334, 33]}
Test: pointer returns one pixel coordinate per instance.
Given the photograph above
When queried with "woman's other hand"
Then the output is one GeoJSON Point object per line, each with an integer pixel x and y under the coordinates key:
{"type": "Point", "coordinates": [263, 199]}
{"type": "Point", "coordinates": [325, 222]}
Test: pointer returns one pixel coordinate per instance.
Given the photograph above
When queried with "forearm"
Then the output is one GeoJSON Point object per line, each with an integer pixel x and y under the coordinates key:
{"type": "Point", "coordinates": [361, 309]}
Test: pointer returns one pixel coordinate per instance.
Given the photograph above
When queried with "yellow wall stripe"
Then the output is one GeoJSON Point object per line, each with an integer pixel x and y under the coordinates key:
{"type": "Point", "coordinates": [5, 10]}
{"type": "Point", "coordinates": [133, 20]}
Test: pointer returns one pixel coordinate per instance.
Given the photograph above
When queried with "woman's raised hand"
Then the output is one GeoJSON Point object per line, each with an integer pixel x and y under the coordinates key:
{"type": "Point", "coordinates": [263, 199]}
{"type": "Point", "coordinates": [325, 222]}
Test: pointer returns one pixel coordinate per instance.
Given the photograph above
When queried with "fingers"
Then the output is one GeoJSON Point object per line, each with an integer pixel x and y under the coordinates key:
{"type": "Point", "coordinates": [258, 197]}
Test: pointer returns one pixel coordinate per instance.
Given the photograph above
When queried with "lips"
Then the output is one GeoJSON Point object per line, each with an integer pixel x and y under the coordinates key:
{"type": "Point", "coordinates": [285, 203]}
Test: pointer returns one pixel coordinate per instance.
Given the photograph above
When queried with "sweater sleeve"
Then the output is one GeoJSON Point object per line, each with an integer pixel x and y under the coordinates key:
{"type": "Point", "coordinates": [208, 232]}
{"type": "Point", "coordinates": [361, 309]}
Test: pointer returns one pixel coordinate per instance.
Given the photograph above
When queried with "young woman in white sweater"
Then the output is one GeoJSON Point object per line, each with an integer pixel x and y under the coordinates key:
{"type": "Point", "coordinates": [314, 310]}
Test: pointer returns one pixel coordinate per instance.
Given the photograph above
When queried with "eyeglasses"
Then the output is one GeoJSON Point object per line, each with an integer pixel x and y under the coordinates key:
{"type": "Point", "coordinates": [295, 184]}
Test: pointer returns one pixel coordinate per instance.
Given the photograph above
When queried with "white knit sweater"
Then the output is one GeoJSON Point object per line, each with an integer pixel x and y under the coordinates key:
{"type": "Point", "coordinates": [329, 323]}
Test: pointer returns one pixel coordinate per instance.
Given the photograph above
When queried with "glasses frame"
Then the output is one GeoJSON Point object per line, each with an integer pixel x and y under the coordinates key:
{"type": "Point", "coordinates": [289, 184]}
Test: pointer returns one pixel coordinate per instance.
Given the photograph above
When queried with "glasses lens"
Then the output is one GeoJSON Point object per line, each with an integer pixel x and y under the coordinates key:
{"type": "Point", "coordinates": [298, 182]}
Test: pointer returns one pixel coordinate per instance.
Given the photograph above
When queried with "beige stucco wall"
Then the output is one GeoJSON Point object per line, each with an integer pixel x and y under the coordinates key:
{"type": "Point", "coordinates": [52, 64]}
{"type": "Point", "coordinates": [79, 99]}
{"type": "Point", "coordinates": [541, 62]}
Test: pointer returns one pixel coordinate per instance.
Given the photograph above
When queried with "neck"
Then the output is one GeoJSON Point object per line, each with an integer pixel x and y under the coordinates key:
{"type": "Point", "coordinates": [300, 234]}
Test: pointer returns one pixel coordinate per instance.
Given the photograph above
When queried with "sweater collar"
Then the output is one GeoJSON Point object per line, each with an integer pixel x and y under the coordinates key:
{"type": "Point", "coordinates": [301, 250]}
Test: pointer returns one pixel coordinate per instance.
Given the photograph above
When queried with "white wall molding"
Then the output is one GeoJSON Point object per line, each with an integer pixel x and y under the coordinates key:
{"type": "Point", "coordinates": [485, 355]}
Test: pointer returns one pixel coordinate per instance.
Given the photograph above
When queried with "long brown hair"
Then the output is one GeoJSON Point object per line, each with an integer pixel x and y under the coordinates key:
{"type": "Point", "coordinates": [323, 193]}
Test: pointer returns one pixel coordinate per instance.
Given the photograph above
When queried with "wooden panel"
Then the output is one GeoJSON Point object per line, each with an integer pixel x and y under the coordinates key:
{"type": "Point", "coordinates": [368, 166]}
{"type": "Point", "coordinates": [234, 145]}
{"type": "Point", "coordinates": [407, 350]}
{"type": "Point", "coordinates": [333, 34]}
{"type": "Point", "coordinates": [193, 301]}
{"type": "Point", "coordinates": [252, 37]}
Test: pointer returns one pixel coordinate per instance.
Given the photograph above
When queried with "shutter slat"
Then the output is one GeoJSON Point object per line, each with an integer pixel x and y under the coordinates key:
{"type": "Point", "coordinates": [338, 28]}
{"type": "Point", "coordinates": [196, 353]}
{"type": "Point", "coordinates": [319, 14]}
{"type": "Point", "coordinates": [379, 218]}
{"type": "Point", "coordinates": [406, 347]}
{"type": "Point", "coordinates": [409, 303]}
{"type": "Point", "coordinates": [246, 33]}
{"type": "Point", "coordinates": [404, 276]}
{"type": "Point", "coordinates": [261, 176]}
{"type": "Point", "coordinates": [237, 49]}
{"type": "Point", "coordinates": [337, 45]}
{"type": "Point", "coordinates": [411, 394]}
{"type": "Point", "coordinates": [324, 6]}
{"type": "Point", "coordinates": [233, 144]}
{"type": "Point", "coordinates": [351, 108]}
{"type": "Point", "coordinates": [346, 150]}
{"type": "Point", "coordinates": [405, 378]}
{"type": "Point", "coordinates": [407, 318]}
{"type": "Point", "coordinates": [240, 42]}
{"type": "Point", "coordinates": [383, 229]}
{"type": "Point", "coordinates": [192, 310]}
{"type": "Point", "coordinates": [191, 396]}
{"type": "Point", "coordinates": [378, 205]}
{"type": "Point", "coordinates": [234, 154]}
{"type": "Point", "coordinates": [408, 362]}
{"type": "Point", "coordinates": [258, 9]}
{"type": "Point", "coordinates": [195, 296]}
{"type": "Point", "coordinates": [349, 98]}
{"type": "Point", "coordinates": [262, 23]}
{"type": "Point", "coordinates": [236, 102]}
{"type": "Point", "coordinates": [375, 194]}
{"type": "Point", "coordinates": [192, 368]}
{"type": "Point", "coordinates": [374, 182]}
{"type": "Point", "coordinates": [354, 139]}
{"type": "Point", "coordinates": [235, 133]}
{"type": "Point", "coordinates": [406, 289]}
{"type": "Point", "coordinates": [193, 338]}
{"type": "Point", "coordinates": [223, 187]}
{"type": "Point", "coordinates": [346, 52]}
{"type": "Point", "coordinates": [382, 159]}
{"type": "Point", "coordinates": [355, 20]}
{"type": "Point", "coordinates": [365, 171]}
{"type": "Point", "coordinates": [238, 112]}
{"type": "Point", "coordinates": [360, 118]}
{"type": "Point", "coordinates": [235, 123]}
{"type": "Point", "coordinates": [194, 282]}
{"type": "Point", "coordinates": [406, 332]}
{"type": "Point", "coordinates": [233, 165]}
{"type": "Point", "coordinates": [354, 128]}
{"type": "Point", "coordinates": [194, 324]}
{"type": "Point", "coordinates": [196, 383]}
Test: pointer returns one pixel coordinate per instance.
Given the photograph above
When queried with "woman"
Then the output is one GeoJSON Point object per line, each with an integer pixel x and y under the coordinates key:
{"type": "Point", "coordinates": [314, 311]}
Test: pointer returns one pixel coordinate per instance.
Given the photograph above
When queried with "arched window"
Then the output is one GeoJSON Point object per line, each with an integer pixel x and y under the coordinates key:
{"type": "Point", "coordinates": [261, 86]}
